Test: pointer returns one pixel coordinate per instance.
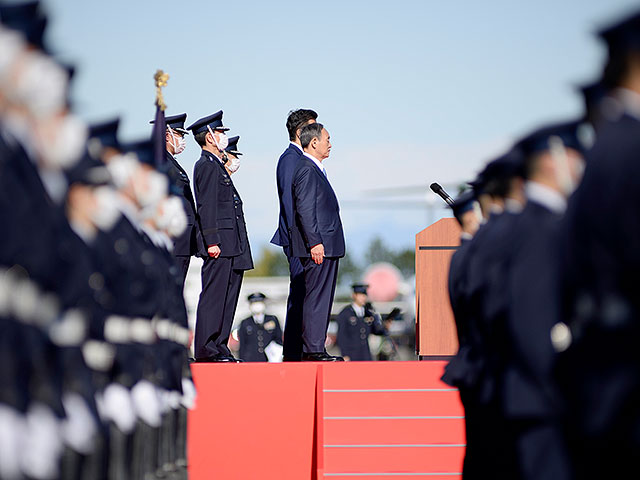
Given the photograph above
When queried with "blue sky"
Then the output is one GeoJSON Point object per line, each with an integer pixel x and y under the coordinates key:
{"type": "Point", "coordinates": [411, 91]}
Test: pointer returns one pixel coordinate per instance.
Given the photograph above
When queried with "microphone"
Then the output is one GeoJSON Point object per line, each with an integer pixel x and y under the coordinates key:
{"type": "Point", "coordinates": [438, 190]}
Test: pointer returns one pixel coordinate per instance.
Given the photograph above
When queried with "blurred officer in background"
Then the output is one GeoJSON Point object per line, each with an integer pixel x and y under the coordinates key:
{"type": "Point", "coordinates": [355, 323]}
{"type": "Point", "coordinates": [260, 335]}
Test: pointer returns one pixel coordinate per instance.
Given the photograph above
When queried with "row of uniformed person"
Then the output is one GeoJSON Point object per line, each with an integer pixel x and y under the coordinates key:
{"type": "Point", "coordinates": [544, 296]}
{"type": "Point", "coordinates": [94, 375]}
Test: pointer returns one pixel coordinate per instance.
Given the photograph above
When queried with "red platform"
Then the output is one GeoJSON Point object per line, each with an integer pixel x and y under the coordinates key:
{"type": "Point", "coordinates": [365, 420]}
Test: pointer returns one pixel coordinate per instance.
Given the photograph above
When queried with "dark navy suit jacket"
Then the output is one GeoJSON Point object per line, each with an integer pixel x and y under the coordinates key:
{"type": "Point", "coordinates": [186, 244]}
{"type": "Point", "coordinates": [284, 177]}
{"type": "Point", "coordinates": [317, 213]}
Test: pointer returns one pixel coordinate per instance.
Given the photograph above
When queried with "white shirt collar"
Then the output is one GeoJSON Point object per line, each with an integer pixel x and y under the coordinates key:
{"type": "Point", "coordinates": [466, 236]}
{"type": "Point", "coordinates": [546, 196]}
{"type": "Point", "coordinates": [316, 161]}
{"type": "Point", "coordinates": [630, 101]}
{"type": "Point", "coordinates": [358, 309]}
{"type": "Point", "coordinates": [259, 318]}
{"type": "Point", "coordinates": [297, 146]}
{"type": "Point", "coordinates": [512, 206]}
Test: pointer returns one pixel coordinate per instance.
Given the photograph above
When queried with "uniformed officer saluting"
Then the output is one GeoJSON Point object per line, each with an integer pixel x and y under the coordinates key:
{"type": "Point", "coordinates": [260, 335]}
{"type": "Point", "coordinates": [223, 227]}
{"type": "Point", "coordinates": [355, 323]}
{"type": "Point", "coordinates": [186, 244]}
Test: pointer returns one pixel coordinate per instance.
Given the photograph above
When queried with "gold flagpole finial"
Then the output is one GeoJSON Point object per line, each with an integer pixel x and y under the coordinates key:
{"type": "Point", "coordinates": [161, 79]}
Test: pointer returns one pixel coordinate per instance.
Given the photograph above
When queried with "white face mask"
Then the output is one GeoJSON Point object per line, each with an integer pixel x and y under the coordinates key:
{"type": "Point", "coordinates": [106, 213]}
{"type": "Point", "coordinates": [42, 86]}
{"type": "Point", "coordinates": [171, 217]}
{"type": "Point", "coordinates": [233, 164]}
{"type": "Point", "coordinates": [221, 141]}
{"type": "Point", "coordinates": [11, 47]}
{"type": "Point", "coordinates": [179, 143]}
{"type": "Point", "coordinates": [563, 169]}
{"type": "Point", "coordinates": [61, 144]}
{"type": "Point", "coordinates": [257, 308]}
{"type": "Point", "coordinates": [153, 192]}
{"type": "Point", "coordinates": [122, 168]}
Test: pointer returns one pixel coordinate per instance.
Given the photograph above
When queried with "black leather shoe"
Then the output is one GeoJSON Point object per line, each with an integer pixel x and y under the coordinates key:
{"type": "Point", "coordinates": [319, 357]}
{"type": "Point", "coordinates": [216, 359]}
{"type": "Point", "coordinates": [234, 359]}
{"type": "Point", "coordinates": [337, 357]}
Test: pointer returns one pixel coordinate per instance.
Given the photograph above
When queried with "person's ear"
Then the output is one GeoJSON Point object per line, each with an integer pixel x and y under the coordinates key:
{"type": "Point", "coordinates": [314, 142]}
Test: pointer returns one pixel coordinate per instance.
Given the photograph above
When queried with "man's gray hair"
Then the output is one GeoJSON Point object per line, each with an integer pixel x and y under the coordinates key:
{"type": "Point", "coordinates": [309, 132]}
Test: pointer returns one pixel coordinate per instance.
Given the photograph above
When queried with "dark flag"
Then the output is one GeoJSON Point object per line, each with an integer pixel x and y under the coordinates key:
{"type": "Point", "coordinates": [159, 125]}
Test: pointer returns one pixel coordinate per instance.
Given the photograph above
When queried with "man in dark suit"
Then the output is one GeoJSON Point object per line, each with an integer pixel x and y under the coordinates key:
{"type": "Point", "coordinates": [260, 335]}
{"type": "Point", "coordinates": [317, 239]}
{"type": "Point", "coordinates": [355, 323]}
{"type": "Point", "coordinates": [224, 233]}
{"type": "Point", "coordinates": [284, 177]}
{"type": "Point", "coordinates": [185, 246]}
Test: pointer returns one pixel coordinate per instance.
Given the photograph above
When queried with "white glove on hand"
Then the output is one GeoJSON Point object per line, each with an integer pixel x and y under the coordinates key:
{"type": "Point", "coordinates": [12, 437]}
{"type": "Point", "coordinates": [116, 405]}
{"type": "Point", "coordinates": [79, 428]}
{"type": "Point", "coordinates": [189, 394]}
{"type": "Point", "coordinates": [43, 446]}
{"type": "Point", "coordinates": [147, 403]}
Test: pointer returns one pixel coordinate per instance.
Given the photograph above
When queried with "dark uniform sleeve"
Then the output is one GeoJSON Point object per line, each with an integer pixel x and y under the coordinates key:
{"type": "Point", "coordinates": [344, 338]}
{"type": "Point", "coordinates": [377, 328]}
{"type": "Point", "coordinates": [277, 334]}
{"type": "Point", "coordinates": [305, 191]}
{"type": "Point", "coordinates": [206, 179]}
{"type": "Point", "coordinates": [242, 339]}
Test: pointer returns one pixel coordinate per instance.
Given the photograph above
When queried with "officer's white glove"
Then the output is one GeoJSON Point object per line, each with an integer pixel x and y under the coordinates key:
{"type": "Point", "coordinates": [189, 394]}
{"type": "Point", "coordinates": [147, 403]}
{"type": "Point", "coordinates": [274, 352]}
{"type": "Point", "coordinates": [79, 428]}
{"type": "Point", "coordinates": [116, 405]}
{"type": "Point", "coordinates": [12, 437]}
{"type": "Point", "coordinates": [43, 446]}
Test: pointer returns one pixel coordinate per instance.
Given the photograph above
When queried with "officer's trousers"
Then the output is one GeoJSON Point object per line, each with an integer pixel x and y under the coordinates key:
{"type": "Point", "coordinates": [182, 261]}
{"type": "Point", "coordinates": [320, 286]}
{"type": "Point", "coordinates": [292, 345]}
{"type": "Point", "coordinates": [217, 306]}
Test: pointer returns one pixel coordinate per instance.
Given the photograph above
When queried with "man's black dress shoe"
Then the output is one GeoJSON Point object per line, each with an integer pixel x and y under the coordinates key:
{"type": "Point", "coordinates": [320, 357]}
{"type": "Point", "coordinates": [216, 359]}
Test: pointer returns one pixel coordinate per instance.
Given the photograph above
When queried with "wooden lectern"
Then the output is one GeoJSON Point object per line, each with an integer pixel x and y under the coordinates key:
{"type": "Point", "coordinates": [435, 328]}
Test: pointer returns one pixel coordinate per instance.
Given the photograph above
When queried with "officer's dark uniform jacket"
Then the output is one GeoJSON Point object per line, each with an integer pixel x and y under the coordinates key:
{"type": "Point", "coordinates": [354, 331]}
{"type": "Point", "coordinates": [534, 307]}
{"type": "Point", "coordinates": [220, 209]}
{"type": "Point", "coordinates": [602, 260]}
{"type": "Point", "coordinates": [457, 368]}
{"type": "Point", "coordinates": [488, 304]}
{"type": "Point", "coordinates": [254, 337]}
{"type": "Point", "coordinates": [186, 244]}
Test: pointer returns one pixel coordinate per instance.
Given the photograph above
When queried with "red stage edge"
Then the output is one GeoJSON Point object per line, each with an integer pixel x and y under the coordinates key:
{"type": "Point", "coordinates": [298, 421]}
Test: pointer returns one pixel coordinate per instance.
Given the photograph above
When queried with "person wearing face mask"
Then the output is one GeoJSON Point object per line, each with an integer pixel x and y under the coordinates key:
{"type": "Point", "coordinates": [225, 244]}
{"type": "Point", "coordinates": [355, 323]}
{"type": "Point", "coordinates": [233, 156]}
{"type": "Point", "coordinates": [260, 335]}
{"type": "Point", "coordinates": [185, 246]}
{"type": "Point", "coordinates": [553, 163]}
